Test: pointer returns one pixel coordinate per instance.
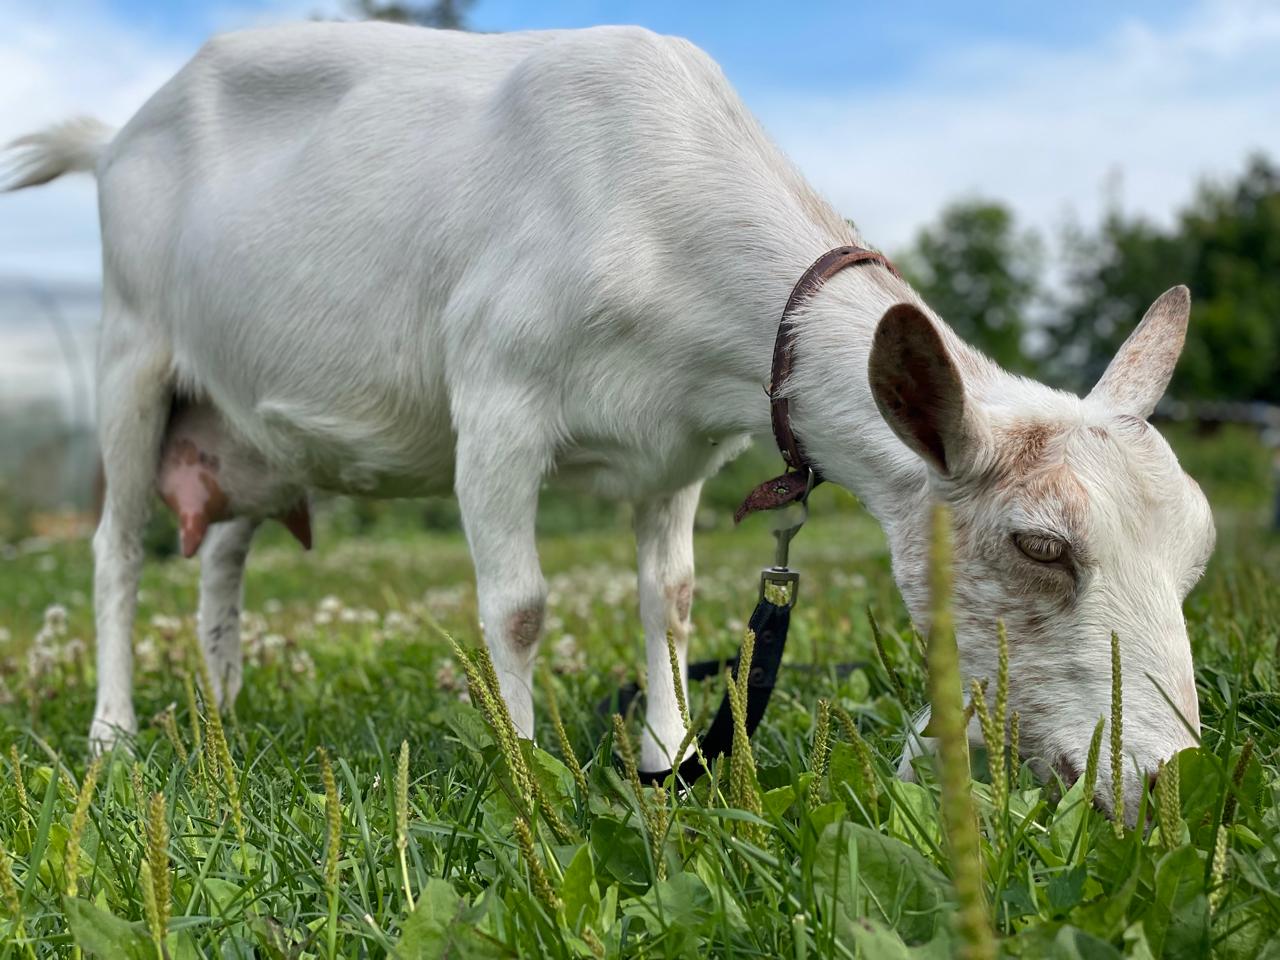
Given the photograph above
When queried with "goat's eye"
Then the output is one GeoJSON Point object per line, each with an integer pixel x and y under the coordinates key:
{"type": "Point", "coordinates": [1039, 548]}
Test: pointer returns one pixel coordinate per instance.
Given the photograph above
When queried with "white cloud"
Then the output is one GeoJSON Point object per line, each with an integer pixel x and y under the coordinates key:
{"type": "Point", "coordinates": [1150, 109]}
{"type": "Point", "coordinates": [58, 61]}
{"type": "Point", "coordinates": [64, 59]}
{"type": "Point", "coordinates": [1041, 128]}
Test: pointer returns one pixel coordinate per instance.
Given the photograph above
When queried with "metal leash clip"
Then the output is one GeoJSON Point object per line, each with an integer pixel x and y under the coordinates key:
{"type": "Point", "coordinates": [780, 575]}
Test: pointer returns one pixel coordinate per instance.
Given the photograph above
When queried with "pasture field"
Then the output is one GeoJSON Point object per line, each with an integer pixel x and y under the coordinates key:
{"type": "Point", "coordinates": [279, 832]}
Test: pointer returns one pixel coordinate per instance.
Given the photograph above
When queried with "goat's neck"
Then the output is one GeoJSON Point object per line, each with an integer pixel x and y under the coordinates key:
{"type": "Point", "coordinates": [832, 410]}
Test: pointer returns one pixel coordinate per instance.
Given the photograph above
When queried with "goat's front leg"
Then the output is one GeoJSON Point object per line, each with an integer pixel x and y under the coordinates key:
{"type": "Point", "coordinates": [222, 560]}
{"type": "Point", "coordinates": [664, 550]}
{"type": "Point", "coordinates": [497, 485]}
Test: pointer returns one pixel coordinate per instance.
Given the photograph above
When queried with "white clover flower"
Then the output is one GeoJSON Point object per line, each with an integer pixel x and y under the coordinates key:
{"type": "Point", "coordinates": [168, 627]}
{"type": "Point", "coordinates": [447, 674]}
{"type": "Point", "coordinates": [566, 646]}
{"type": "Point", "coordinates": [148, 653]}
{"type": "Point", "coordinates": [445, 599]}
{"type": "Point", "coordinates": [39, 659]}
{"type": "Point", "coordinates": [74, 650]}
{"type": "Point", "coordinates": [567, 656]}
{"type": "Point", "coordinates": [55, 617]}
{"type": "Point", "coordinates": [396, 622]}
{"type": "Point", "coordinates": [302, 664]}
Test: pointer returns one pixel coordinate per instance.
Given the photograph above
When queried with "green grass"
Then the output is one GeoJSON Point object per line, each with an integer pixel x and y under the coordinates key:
{"type": "Point", "coordinates": [346, 653]}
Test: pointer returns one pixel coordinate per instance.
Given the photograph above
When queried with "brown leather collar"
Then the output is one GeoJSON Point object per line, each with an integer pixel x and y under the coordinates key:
{"type": "Point", "coordinates": [795, 483]}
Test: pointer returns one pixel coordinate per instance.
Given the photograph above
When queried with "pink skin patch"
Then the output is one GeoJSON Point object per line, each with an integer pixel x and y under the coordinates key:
{"type": "Point", "coordinates": [188, 483]}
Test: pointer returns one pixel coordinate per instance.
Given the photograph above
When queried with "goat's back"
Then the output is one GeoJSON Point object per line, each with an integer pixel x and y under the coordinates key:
{"type": "Point", "coordinates": [339, 226]}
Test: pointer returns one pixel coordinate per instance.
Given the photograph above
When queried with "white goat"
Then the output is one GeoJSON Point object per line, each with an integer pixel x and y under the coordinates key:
{"type": "Point", "coordinates": [395, 261]}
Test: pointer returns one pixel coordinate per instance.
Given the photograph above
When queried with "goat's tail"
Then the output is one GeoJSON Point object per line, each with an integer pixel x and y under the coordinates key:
{"type": "Point", "coordinates": [63, 148]}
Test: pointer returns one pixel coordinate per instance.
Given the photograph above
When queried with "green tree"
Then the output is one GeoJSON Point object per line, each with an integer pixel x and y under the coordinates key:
{"type": "Point", "coordinates": [981, 274]}
{"type": "Point", "coordinates": [1226, 247]}
{"type": "Point", "coordinates": [443, 14]}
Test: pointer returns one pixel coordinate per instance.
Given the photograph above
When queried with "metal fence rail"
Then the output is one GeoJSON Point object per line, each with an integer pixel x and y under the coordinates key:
{"type": "Point", "coordinates": [1264, 417]}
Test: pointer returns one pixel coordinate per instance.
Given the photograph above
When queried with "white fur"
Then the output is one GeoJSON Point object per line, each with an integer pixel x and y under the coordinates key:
{"type": "Point", "coordinates": [67, 147]}
{"type": "Point", "coordinates": [398, 261]}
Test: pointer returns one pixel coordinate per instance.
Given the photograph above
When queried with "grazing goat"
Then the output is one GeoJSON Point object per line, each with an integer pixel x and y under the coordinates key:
{"type": "Point", "coordinates": [391, 262]}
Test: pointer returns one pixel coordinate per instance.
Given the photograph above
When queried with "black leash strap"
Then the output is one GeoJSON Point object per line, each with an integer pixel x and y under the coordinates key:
{"type": "Point", "coordinates": [769, 622]}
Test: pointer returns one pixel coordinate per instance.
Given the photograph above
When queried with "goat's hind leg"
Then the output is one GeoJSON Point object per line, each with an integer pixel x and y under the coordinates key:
{"type": "Point", "coordinates": [134, 390]}
{"type": "Point", "coordinates": [222, 561]}
{"type": "Point", "coordinates": [664, 549]}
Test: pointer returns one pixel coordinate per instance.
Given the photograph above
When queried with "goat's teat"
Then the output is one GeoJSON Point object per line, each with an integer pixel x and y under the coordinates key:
{"type": "Point", "coordinates": [188, 483]}
{"type": "Point", "coordinates": [205, 477]}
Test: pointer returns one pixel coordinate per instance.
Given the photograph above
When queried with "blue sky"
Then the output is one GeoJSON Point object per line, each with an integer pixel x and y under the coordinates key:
{"type": "Point", "coordinates": [890, 109]}
{"type": "Point", "coordinates": [760, 45]}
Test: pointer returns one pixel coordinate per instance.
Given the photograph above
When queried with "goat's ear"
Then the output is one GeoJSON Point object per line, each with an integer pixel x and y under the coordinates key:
{"type": "Point", "coordinates": [1138, 375]}
{"type": "Point", "coordinates": [918, 387]}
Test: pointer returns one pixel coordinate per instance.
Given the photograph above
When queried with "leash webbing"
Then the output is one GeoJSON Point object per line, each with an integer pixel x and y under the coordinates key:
{"type": "Point", "coordinates": [769, 622]}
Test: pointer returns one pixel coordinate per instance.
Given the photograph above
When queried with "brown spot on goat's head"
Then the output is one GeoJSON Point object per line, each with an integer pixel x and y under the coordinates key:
{"type": "Point", "coordinates": [1021, 449]}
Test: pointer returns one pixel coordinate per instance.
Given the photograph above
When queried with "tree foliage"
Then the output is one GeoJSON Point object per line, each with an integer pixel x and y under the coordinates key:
{"type": "Point", "coordinates": [1226, 247]}
{"type": "Point", "coordinates": [981, 273]}
{"type": "Point", "coordinates": [442, 14]}
{"type": "Point", "coordinates": [984, 276]}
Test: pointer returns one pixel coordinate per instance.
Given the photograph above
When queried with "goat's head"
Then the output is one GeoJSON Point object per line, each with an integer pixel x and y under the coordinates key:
{"type": "Point", "coordinates": [1072, 518]}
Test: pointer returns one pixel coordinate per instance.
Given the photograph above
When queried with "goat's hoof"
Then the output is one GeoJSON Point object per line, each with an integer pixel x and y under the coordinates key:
{"type": "Point", "coordinates": [111, 733]}
{"type": "Point", "coordinates": [655, 756]}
